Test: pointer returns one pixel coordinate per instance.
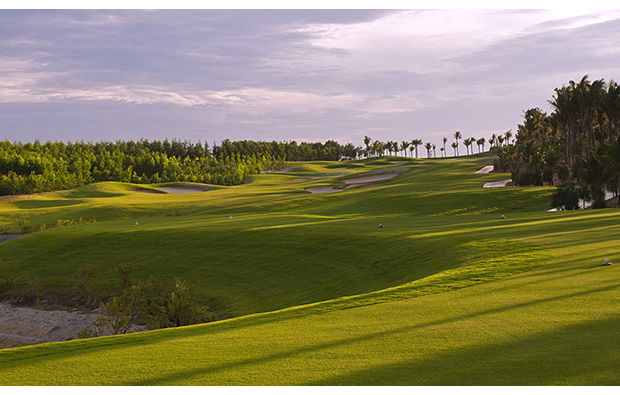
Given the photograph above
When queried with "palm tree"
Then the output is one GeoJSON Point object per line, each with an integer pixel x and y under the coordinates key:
{"type": "Point", "coordinates": [500, 140]}
{"type": "Point", "coordinates": [434, 151]}
{"type": "Point", "coordinates": [404, 145]}
{"type": "Point", "coordinates": [443, 151]}
{"type": "Point", "coordinates": [444, 140]}
{"type": "Point", "coordinates": [492, 140]}
{"type": "Point", "coordinates": [467, 143]}
{"type": "Point", "coordinates": [508, 135]}
{"type": "Point", "coordinates": [367, 141]}
{"type": "Point", "coordinates": [428, 147]}
{"type": "Point", "coordinates": [480, 143]}
{"type": "Point", "coordinates": [416, 143]}
{"type": "Point", "coordinates": [455, 146]}
{"type": "Point", "coordinates": [377, 147]}
{"type": "Point", "coordinates": [457, 136]}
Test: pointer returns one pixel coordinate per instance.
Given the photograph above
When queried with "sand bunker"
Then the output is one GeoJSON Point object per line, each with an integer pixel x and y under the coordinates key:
{"type": "Point", "coordinates": [326, 189]}
{"type": "Point", "coordinates": [497, 184]}
{"type": "Point", "coordinates": [486, 169]}
{"type": "Point", "coordinates": [367, 179]}
{"type": "Point", "coordinates": [352, 183]}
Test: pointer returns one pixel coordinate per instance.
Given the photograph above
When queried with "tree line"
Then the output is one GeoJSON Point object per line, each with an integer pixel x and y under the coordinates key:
{"type": "Point", "coordinates": [37, 167]}
{"type": "Point", "coordinates": [27, 168]}
{"type": "Point", "coordinates": [576, 146]}
{"type": "Point", "coordinates": [379, 148]}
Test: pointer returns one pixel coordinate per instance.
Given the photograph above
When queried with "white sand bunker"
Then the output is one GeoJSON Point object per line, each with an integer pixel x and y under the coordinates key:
{"type": "Point", "coordinates": [486, 169]}
{"type": "Point", "coordinates": [497, 184]}
{"type": "Point", "coordinates": [352, 183]}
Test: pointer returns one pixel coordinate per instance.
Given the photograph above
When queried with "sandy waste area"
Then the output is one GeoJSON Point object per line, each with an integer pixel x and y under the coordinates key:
{"type": "Point", "coordinates": [23, 326]}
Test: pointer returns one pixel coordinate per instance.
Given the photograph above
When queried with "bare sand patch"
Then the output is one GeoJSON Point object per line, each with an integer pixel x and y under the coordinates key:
{"type": "Point", "coordinates": [11, 236]}
{"type": "Point", "coordinates": [23, 326]}
{"type": "Point", "coordinates": [352, 183]}
{"type": "Point", "coordinates": [398, 161]}
{"type": "Point", "coordinates": [367, 179]}
{"type": "Point", "coordinates": [486, 169]}
{"type": "Point", "coordinates": [497, 184]}
{"type": "Point", "coordinates": [325, 189]}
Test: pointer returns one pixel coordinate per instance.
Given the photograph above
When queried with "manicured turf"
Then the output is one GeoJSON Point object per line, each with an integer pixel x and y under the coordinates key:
{"type": "Point", "coordinates": [446, 293]}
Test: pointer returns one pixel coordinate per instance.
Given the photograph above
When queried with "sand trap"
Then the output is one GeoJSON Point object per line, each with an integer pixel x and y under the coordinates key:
{"type": "Point", "coordinates": [146, 191]}
{"type": "Point", "coordinates": [326, 189]}
{"type": "Point", "coordinates": [352, 183]}
{"type": "Point", "coordinates": [22, 326]}
{"type": "Point", "coordinates": [497, 184]}
{"type": "Point", "coordinates": [180, 189]}
{"type": "Point", "coordinates": [367, 179]}
{"type": "Point", "coordinates": [398, 161]}
{"type": "Point", "coordinates": [486, 169]}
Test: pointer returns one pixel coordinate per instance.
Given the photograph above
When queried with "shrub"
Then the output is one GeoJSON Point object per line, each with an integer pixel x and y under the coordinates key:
{"type": "Point", "coordinates": [25, 226]}
{"type": "Point", "coordinates": [567, 197]}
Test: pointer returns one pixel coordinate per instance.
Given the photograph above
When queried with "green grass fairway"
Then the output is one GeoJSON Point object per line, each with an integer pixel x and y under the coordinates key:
{"type": "Point", "coordinates": [315, 293]}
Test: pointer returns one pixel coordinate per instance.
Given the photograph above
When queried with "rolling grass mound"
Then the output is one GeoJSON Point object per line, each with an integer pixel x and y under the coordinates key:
{"type": "Point", "coordinates": [445, 293]}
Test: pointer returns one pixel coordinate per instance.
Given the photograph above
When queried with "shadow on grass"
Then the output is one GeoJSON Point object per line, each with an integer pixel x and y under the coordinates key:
{"type": "Point", "coordinates": [467, 366]}
{"type": "Point", "coordinates": [47, 203]}
{"type": "Point", "coordinates": [581, 354]}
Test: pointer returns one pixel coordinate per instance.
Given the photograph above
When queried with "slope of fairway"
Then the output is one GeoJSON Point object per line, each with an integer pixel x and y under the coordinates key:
{"type": "Point", "coordinates": [446, 293]}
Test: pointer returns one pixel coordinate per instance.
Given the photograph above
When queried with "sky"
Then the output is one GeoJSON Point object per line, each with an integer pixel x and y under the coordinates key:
{"type": "Point", "coordinates": [291, 74]}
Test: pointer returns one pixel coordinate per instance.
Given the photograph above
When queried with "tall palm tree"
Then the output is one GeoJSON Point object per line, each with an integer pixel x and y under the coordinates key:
{"type": "Point", "coordinates": [404, 145]}
{"type": "Point", "coordinates": [480, 143]}
{"type": "Point", "coordinates": [492, 141]}
{"type": "Point", "coordinates": [444, 140]}
{"type": "Point", "coordinates": [434, 151]}
{"type": "Point", "coordinates": [428, 147]}
{"type": "Point", "coordinates": [416, 143]}
{"type": "Point", "coordinates": [508, 135]}
{"type": "Point", "coordinates": [457, 136]}
{"type": "Point", "coordinates": [455, 146]}
{"type": "Point", "coordinates": [367, 141]}
{"type": "Point", "coordinates": [467, 143]}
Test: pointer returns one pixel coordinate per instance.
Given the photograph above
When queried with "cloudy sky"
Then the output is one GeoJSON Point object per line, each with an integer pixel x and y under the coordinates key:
{"type": "Point", "coordinates": [304, 75]}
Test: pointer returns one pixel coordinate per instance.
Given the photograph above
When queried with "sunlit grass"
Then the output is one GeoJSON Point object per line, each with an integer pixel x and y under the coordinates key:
{"type": "Point", "coordinates": [446, 293]}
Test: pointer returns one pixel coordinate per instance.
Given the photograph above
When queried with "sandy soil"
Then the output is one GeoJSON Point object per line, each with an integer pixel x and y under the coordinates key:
{"type": "Point", "coordinates": [486, 169]}
{"type": "Point", "coordinates": [352, 183]}
{"type": "Point", "coordinates": [497, 184]}
{"type": "Point", "coordinates": [23, 326]}
{"type": "Point", "coordinates": [11, 236]}
{"type": "Point", "coordinates": [367, 179]}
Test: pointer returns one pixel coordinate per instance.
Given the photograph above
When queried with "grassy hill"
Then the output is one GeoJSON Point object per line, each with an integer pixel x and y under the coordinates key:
{"type": "Point", "coordinates": [445, 293]}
